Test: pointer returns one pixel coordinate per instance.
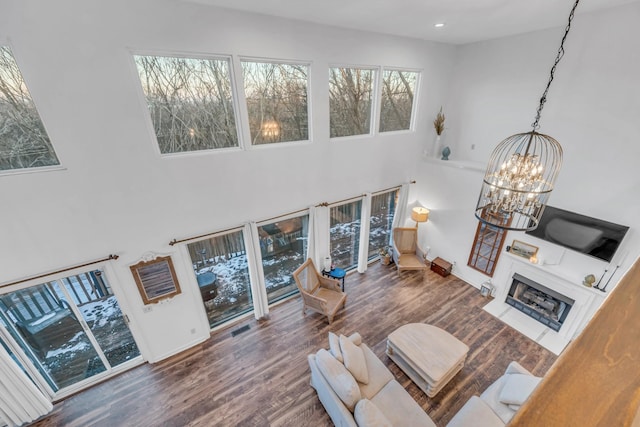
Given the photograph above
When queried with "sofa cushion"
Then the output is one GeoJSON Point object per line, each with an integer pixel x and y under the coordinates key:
{"type": "Point", "coordinates": [339, 378]}
{"type": "Point", "coordinates": [475, 413]}
{"type": "Point", "coordinates": [367, 414]}
{"type": "Point", "coordinates": [517, 388]}
{"type": "Point", "coordinates": [334, 347]}
{"type": "Point", "coordinates": [379, 375]}
{"type": "Point", "coordinates": [354, 360]}
{"type": "Point", "coordinates": [400, 408]}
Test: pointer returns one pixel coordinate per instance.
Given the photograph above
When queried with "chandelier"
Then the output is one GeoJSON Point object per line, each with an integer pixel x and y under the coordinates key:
{"type": "Point", "coordinates": [521, 171]}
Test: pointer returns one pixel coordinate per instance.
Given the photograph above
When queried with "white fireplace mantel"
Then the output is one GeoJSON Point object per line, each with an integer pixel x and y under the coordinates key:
{"type": "Point", "coordinates": [586, 302]}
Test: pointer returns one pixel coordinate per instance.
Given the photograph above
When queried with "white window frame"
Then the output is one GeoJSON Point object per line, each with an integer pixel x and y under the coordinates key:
{"type": "Point", "coordinates": [414, 107]}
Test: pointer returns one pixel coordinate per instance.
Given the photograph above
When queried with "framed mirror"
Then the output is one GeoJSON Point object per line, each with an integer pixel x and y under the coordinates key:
{"type": "Point", "coordinates": [156, 279]}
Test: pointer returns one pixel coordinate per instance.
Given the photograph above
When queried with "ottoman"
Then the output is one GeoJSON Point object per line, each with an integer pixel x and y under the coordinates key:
{"type": "Point", "coordinates": [428, 355]}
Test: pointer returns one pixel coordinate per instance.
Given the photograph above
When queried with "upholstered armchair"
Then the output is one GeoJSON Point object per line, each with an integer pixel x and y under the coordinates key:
{"type": "Point", "coordinates": [406, 253]}
{"type": "Point", "coordinates": [319, 293]}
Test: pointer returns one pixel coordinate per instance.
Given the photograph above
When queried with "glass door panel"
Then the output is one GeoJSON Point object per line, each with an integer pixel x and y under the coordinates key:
{"type": "Point", "coordinates": [100, 311]}
{"type": "Point", "coordinates": [345, 234]}
{"type": "Point", "coordinates": [222, 271]}
{"type": "Point", "coordinates": [46, 329]}
{"type": "Point", "coordinates": [283, 245]}
{"type": "Point", "coordinates": [383, 207]}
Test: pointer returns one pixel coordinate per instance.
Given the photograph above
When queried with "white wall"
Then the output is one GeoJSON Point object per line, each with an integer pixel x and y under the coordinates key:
{"type": "Point", "coordinates": [592, 110]}
{"type": "Point", "coordinates": [117, 195]}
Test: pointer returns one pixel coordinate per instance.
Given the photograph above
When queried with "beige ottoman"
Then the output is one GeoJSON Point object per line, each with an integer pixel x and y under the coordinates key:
{"type": "Point", "coordinates": [427, 354]}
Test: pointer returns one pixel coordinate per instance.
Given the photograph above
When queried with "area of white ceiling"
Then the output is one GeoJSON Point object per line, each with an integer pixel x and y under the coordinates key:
{"type": "Point", "coordinates": [466, 21]}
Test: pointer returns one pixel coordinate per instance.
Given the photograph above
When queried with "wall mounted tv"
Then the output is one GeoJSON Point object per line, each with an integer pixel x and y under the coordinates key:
{"type": "Point", "coordinates": [590, 236]}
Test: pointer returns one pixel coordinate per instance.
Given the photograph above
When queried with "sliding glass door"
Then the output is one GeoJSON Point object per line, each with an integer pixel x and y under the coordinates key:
{"type": "Point", "coordinates": [383, 207]}
{"type": "Point", "coordinates": [69, 330]}
{"type": "Point", "coordinates": [283, 245]}
{"type": "Point", "coordinates": [345, 234]}
{"type": "Point", "coordinates": [222, 272]}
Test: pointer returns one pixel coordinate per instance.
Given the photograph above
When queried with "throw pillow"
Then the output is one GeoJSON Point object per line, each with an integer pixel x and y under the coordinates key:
{"type": "Point", "coordinates": [334, 346]}
{"type": "Point", "coordinates": [340, 380]}
{"type": "Point", "coordinates": [517, 388]}
{"type": "Point", "coordinates": [367, 414]}
{"type": "Point", "coordinates": [354, 360]}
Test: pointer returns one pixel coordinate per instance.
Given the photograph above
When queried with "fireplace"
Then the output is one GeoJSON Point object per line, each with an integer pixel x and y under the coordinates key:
{"type": "Point", "coordinates": [541, 303]}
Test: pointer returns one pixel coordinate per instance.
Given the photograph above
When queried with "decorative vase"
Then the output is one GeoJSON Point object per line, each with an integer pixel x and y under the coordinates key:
{"type": "Point", "coordinates": [437, 147]}
{"type": "Point", "coordinates": [386, 260]}
{"type": "Point", "coordinates": [445, 153]}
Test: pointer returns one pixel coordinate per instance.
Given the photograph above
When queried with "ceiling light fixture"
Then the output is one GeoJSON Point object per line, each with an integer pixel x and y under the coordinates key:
{"type": "Point", "coordinates": [521, 171]}
{"type": "Point", "coordinates": [439, 25]}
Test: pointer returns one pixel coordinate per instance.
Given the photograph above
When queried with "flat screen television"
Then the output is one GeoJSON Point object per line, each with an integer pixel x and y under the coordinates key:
{"type": "Point", "coordinates": [590, 236]}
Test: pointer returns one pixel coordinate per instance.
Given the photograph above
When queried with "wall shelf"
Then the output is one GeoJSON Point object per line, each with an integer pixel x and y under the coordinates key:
{"type": "Point", "coordinates": [457, 164]}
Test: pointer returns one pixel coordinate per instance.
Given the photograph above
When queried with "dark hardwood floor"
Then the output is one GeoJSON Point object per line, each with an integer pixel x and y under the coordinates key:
{"type": "Point", "coordinates": [261, 377]}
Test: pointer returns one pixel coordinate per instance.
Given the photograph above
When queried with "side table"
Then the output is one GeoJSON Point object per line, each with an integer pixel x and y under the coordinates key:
{"type": "Point", "coordinates": [335, 273]}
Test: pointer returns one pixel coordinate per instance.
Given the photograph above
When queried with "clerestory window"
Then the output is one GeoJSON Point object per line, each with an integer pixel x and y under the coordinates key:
{"type": "Point", "coordinates": [397, 103]}
{"type": "Point", "coordinates": [350, 101]}
{"type": "Point", "coordinates": [24, 143]}
{"type": "Point", "coordinates": [190, 101]}
{"type": "Point", "coordinates": [277, 101]}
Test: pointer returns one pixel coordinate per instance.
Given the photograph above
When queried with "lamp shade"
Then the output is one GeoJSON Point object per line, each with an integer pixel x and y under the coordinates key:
{"type": "Point", "coordinates": [419, 214]}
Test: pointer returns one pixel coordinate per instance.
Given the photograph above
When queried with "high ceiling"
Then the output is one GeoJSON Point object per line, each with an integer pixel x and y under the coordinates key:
{"type": "Point", "coordinates": [465, 21]}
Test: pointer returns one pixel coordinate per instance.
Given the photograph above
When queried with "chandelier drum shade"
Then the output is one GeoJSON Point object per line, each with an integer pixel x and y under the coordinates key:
{"type": "Point", "coordinates": [522, 171]}
{"type": "Point", "coordinates": [519, 180]}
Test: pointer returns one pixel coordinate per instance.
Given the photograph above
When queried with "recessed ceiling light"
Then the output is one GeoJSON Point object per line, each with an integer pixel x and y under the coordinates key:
{"type": "Point", "coordinates": [439, 25]}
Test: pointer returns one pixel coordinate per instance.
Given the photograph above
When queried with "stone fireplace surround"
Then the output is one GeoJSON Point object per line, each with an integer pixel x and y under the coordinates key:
{"type": "Point", "coordinates": [586, 302]}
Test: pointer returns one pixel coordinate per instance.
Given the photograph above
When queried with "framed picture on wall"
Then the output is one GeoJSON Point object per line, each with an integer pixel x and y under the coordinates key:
{"type": "Point", "coordinates": [156, 279]}
{"type": "Point", "coordinates": [523, 250]}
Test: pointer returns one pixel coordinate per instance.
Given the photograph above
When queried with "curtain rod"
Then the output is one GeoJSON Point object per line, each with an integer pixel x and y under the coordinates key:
{"type": "Point", "coordinates": [187, 239]}
{"type": "Point", "coordinates": [109, 258]}
{"type": "Point", "coordinates": [175, 241]}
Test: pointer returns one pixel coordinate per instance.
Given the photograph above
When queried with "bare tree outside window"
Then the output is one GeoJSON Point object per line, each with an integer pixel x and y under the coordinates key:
{"type": "Point", "coordinates": [398, 88]}
{"type": "Point", "coordinates": [23, 140]}
{"type": "Point", "coordinates": [350, 100]}
{"type": "Point", "coordinates": [276, 95]}
{"type": "Point", "coordinates": [190, 101]}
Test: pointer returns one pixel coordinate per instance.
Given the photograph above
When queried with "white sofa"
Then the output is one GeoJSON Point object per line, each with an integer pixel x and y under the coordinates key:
{"type": "Point", "coordinates": [499, 402]}
{"type": "Point", "coordinates": [381, 395]}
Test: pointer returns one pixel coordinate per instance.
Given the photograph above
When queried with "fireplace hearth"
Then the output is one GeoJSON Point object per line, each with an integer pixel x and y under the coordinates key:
{"type": "Point", "coordinates": [539, 302]}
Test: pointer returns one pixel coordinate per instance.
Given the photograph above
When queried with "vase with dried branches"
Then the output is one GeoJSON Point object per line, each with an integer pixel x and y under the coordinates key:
{"type": "Point", "coordinates": [438, 125]}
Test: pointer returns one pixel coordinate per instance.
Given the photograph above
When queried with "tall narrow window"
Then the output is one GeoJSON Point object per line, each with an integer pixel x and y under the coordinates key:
{"type": "Point", "coordinates": [222, 272]}
{"type": "Point", "coordinates": [398, 88]}
{"type": "Point", "coordinates": [345, 234]}
{"type": "Point", "coordinates": [283, 245]}
{"type": "Point", "coordinates": [487, 246]}
{"type": "Point", "coordinates": [24, 143]}
{"type": "Point", "coordinates": [190, 102]}
{"type": "Point", "coordinates": [383, 206]}
{"type": "Point", "coordinates": [277, 103]}
{"type": "Point", "coordinates": [350, 101]}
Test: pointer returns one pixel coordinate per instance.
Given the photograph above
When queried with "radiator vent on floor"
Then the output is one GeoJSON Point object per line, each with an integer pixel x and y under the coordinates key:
{"type": "Point", "coordinates": [240, 330]}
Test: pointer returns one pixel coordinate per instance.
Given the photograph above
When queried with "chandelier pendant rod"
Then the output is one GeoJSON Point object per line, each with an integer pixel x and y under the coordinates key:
{"type": "Point", "coordinates": [559, 56]}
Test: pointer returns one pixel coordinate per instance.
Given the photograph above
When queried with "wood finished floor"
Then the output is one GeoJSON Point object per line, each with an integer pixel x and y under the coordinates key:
{"type": "Point", "coordinates": [261, 377]}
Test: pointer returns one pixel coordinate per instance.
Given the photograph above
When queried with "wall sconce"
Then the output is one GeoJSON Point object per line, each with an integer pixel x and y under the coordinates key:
{"type": "Point", "coordinates": [419, 215]}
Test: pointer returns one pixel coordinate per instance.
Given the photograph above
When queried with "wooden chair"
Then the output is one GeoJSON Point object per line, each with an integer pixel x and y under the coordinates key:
{"type": "Point", "coordinates": [319, 293]}
{"type": "Point", "coordinates": [406, 253]}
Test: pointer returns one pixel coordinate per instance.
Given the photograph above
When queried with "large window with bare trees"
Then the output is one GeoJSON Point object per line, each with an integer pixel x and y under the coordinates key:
{"type": "Point", "coordinates": [383, 207]}
{"type": "Point", "coordinates": [190, 102]}
{"type": "Point", "coordinates": [350, 101]}
{"type": "Point", "coordinates": [396, 105]}
{"type": "Point", "coordinates": [277, 101]}
{"type": "Point", "coordinates": [23, 140]}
